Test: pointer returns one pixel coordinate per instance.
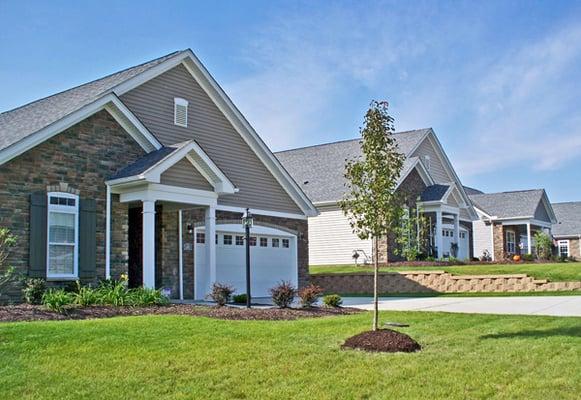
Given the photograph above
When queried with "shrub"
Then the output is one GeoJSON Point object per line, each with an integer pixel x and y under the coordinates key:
{"type": "Point", "coordinates": [239, 298]}
{"type": "Point", "coordinates": [221, 293]}
{"type": "Point", "coordinates": [8, 275]}
{"type": "Point", "coordinates": [143, 297]}
{"type": "Point", "coordinates": [309, 295]}
{"type": "Point", "coordinates": [544, 245]}
{"type": "Point", "coordinates": [528, 257]}
{"type": "Point", "coordinates": [332, 300]}
{"type": "Point", "coordinates": [85, 295]}
{"type": "Point", "coordinates": [455, 261]}
{"type": "Point", "coordinates": [56, 300]}
{"type": "Point", "coordinates": [33, 291]}
{"type": "Point", "coordinates": [283, 294]}
{"type": "Point", "coordinates": [113, 292]}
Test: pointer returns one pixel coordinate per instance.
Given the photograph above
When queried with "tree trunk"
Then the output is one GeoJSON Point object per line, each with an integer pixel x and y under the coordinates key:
{"type": "Point", "coordinates": [375, 291]}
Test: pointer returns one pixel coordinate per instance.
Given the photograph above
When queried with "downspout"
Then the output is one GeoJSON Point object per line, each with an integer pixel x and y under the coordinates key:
{"type": "Point", "coordinates": [108, 234]}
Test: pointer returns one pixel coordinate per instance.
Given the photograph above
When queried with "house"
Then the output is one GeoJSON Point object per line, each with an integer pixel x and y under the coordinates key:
{"type": "Point", "coordinates": [148, 171]}
{"type": "Point", "coordinates": [567, 230]}
{"type": "Point", "coordinates": [507, 222]}
{"type": "Point", "coordinates": [427, 175]}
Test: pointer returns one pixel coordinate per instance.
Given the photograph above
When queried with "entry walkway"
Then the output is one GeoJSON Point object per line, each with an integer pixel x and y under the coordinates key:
{"type": "Point", "coordinates": [524, 305]}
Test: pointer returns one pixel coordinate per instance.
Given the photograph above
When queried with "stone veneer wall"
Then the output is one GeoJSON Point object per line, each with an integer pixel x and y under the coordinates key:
{"type": "Point", "coordinates": [80, 158]}
{"type": "Point", "coordinates": [436, 282]}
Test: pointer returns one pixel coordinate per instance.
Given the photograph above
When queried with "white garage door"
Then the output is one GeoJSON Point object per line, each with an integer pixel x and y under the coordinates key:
{"type": "Point", "coordinates": [273, 257]}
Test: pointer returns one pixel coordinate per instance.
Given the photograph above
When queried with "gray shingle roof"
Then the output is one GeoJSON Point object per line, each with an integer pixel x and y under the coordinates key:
{"type": "Point", "coordinates": [568, 217]}
{"type": "Point", "coordinates": [148, 161]}
{"type": "Point", "coordinates": [319, 169]}
{"type": "Point", "coordinates": [434, 192]}
{"type": "Point", "coordinates": [521, 203]}
{"type": "Point", "coordinates": [469, 190]}
{"type": "Point", "coordinates": [23, 121]}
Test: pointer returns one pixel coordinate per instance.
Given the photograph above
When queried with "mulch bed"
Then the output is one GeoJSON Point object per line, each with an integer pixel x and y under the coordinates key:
{"type": "Point", "coordinates": [382, 340]}
{"type": "Point", "coordinates": [26, 312]}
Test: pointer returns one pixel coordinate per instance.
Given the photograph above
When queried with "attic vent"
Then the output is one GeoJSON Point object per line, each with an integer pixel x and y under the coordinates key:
{"type": "Point", "coordinates": [427, 162]}
{"type": "Point", "coordinates": [180, 112]}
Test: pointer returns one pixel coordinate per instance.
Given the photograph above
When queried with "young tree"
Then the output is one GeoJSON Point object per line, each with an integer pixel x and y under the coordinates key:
{"type": "Point", "coordinates": [371, 203]}
{"type": "Point", "coordinates": [411, 234]}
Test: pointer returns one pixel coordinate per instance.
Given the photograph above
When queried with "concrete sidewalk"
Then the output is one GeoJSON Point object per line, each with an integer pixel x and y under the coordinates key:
{"type": "Point", "coordinates": [569, 306]}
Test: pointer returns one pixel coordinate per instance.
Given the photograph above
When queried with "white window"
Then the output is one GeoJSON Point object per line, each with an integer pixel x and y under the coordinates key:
{"type": "Point", "coordinates": [563, 248]}
{"type": "Point", "coordinates": [510, 242]}
{"type": "Point", "coordinates": [239, 240]}
{"type": "Point", "coordinates": [275, 242]}
{"type": "Point", "coordinates": [63, 235]}
{"type": "Point", "coordinates": [285, 243]}
{"type": "Point", "coordinates": [200, 237]}
{"type": "Point", "coordinates": [263, 242]}
{"type": "Point", "coordinates": [427, 162]}
{"type": "Point", "coordinates": [227, 239]}
{"type": "Point", "coordinates": [253, 240]}
{"type": "Point", "coordinates": [180, 112]}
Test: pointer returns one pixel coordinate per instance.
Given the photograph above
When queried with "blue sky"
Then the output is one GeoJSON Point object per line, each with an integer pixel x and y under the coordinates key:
{"type": "Point", "coordinates": [500, 82]}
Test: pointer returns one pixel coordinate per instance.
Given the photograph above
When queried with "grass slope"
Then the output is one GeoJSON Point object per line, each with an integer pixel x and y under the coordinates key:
{"type": "Point", "coordinates": [178, 357]}
{"type": "Point", "coordinates": [555, 272]}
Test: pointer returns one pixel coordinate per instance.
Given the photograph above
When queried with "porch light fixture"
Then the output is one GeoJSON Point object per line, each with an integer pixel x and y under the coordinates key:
{"type": "Point", "coordinates": [247, 221]}
{"type": "Point", "coordinates": [190, 229]}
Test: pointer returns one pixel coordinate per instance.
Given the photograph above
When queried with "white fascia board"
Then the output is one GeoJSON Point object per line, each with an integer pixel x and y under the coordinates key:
{"type": "Point", "coordinates": [446, 161]}
{"type": "Point", "coordinates": [224, 184]}
{"type": "Point", "coordinates": [549, 207]}
{"type": "Point", "coordinates": [422, 171]}
{"type": "Point", "coordinates": [158, 192]}
{"type": "Point", "coordinates": [147, 140]}
{"type": "Point", "coordinates": [257, 211]}
{"type": "Point", "coordinates": [227, 107]}
{"type": "Point", "coordinates": [73, 118]}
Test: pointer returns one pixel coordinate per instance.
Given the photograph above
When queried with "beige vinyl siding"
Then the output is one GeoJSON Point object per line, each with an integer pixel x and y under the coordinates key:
{"type": "Point", "coordinates": [331, 240]}
{"type": "Point", "coordinates": [482, 238]}
{"type": "Point", "coordinates": [184, 174]}
{"type": "Point", "coordinates": [153, 104]}
{"type": "Point", "coordinates": [437, 170]}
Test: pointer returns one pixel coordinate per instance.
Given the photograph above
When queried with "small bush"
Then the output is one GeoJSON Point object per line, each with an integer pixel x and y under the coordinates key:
{"type": "Point", "coordinates": [33, 291]}
{"type": "Point", "coordinates": [114, 293]}
{"type": "Point", "coordinates": [283, 294]}
{"type": "Point", "coordinates": [85, 296]}
{"type": "Point", "coordinates": [528, 257]}
{"type": "Point", "coordinates": [56, 300]}
{"type": "Point", "coordinates": [309, 295]}
{"type": "Point", "coordinates": [239, 298]}
{"type": "Point", "coordinates": [221, 293]}
{"type": "Point", "coordinates": [143, 297]}
{"type": "Point", "coordinates": [332, 300]}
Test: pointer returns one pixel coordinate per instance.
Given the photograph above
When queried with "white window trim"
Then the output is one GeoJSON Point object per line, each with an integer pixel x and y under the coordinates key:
{"type": "Point", "coordinates": [68, 210]}
{"type": "Point", "coordinates": [563, 243]}
{"type": "Point", "coordinates": [508, 233]}
{"type": "Point", "coordinates": [177, 101]}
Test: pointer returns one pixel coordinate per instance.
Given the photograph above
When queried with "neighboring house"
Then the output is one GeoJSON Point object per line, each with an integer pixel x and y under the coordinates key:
{"type": "Point", "coordinates": [567, 230]}
{"type": "Point", "coordinates": [507, 222]}
{"type": "Point", "coordinates": [427, 174]}
{"type": "Point", "coordinates": [147, 171]}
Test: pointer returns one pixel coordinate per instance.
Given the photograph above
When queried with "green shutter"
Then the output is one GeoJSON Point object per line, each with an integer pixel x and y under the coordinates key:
{"type": "Point", "coordinates": [38, 233]}
{"type": "Point", "coordinates": [87, 239]}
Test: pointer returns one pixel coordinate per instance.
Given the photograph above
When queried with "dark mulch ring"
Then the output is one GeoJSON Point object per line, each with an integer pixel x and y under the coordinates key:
{"type": "Point", "coordinates": [383, 340]}
{"type": "Point", "coordinates": [26, 312]}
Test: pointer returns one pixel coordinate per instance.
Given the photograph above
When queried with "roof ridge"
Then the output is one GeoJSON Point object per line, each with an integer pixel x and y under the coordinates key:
{"type": "Point", "coordinates": [567, 202]}
{"type": "Point", "coordinates": [344, 141]}
{"type": "Point", "coordinates": [93, 81]}
{"type": "Point", "coordinates": [508, 191]}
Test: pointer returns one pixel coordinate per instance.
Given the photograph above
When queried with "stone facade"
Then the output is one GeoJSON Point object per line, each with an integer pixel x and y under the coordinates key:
{"type": "Point", "coordinates": [436, 282]}
{"type": "Point", "coordinates": [411, 188]}
{"type": "Point", "coordinates": [82, 158]}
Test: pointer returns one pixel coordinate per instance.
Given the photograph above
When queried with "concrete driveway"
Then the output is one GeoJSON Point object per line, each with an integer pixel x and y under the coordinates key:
{"type": "Point", "coordinates": [569, 306]}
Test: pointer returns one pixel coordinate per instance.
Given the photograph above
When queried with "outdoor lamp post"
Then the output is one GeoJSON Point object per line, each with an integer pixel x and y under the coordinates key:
{"type": "Point", "coordinates": [247, 223]}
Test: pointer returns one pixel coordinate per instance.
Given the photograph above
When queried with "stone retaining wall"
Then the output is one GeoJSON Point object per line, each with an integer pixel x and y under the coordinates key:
{"type": "Point", "coordinates": [436, 282]}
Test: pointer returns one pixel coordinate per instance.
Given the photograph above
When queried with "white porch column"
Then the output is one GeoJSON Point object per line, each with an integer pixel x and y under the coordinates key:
{"type": "Point", "coordinates": [439, 240]}
{"type": "Point", "coordinates": [211, 242]}
{"type": "Point", "coordinates": [529, 242]}
{"type": "Point", "coordinates": [148, 244]}
{"type": "Point", "coordinates": [457, 232]}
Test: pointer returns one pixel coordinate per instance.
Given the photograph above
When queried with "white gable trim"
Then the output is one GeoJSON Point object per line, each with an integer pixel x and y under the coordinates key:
{"type": "Point", "coordinates": [449, 169]}
{"type": "Point", "coordinates": [422, 171]}
{"type": "Point", "coordinates": [232, 114]}
{"type": "Point", "coordinates": [202, 164]}
{"type": "Point", "coordinates": [109, 102]}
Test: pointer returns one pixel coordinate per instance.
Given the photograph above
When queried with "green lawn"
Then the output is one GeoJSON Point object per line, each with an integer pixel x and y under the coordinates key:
{"type": "Point", "coordinates": [554, 272]}
{"type": "Point", "coordinates": [181, 357]}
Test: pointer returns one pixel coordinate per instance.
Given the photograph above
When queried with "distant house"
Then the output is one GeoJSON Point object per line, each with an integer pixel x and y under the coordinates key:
{"type": "Point", "coordinates": [427, 179]}
{"type": "Point", "coordinates": [567, 230]}
{"type": "Point", "coordinates": [507, 221]}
